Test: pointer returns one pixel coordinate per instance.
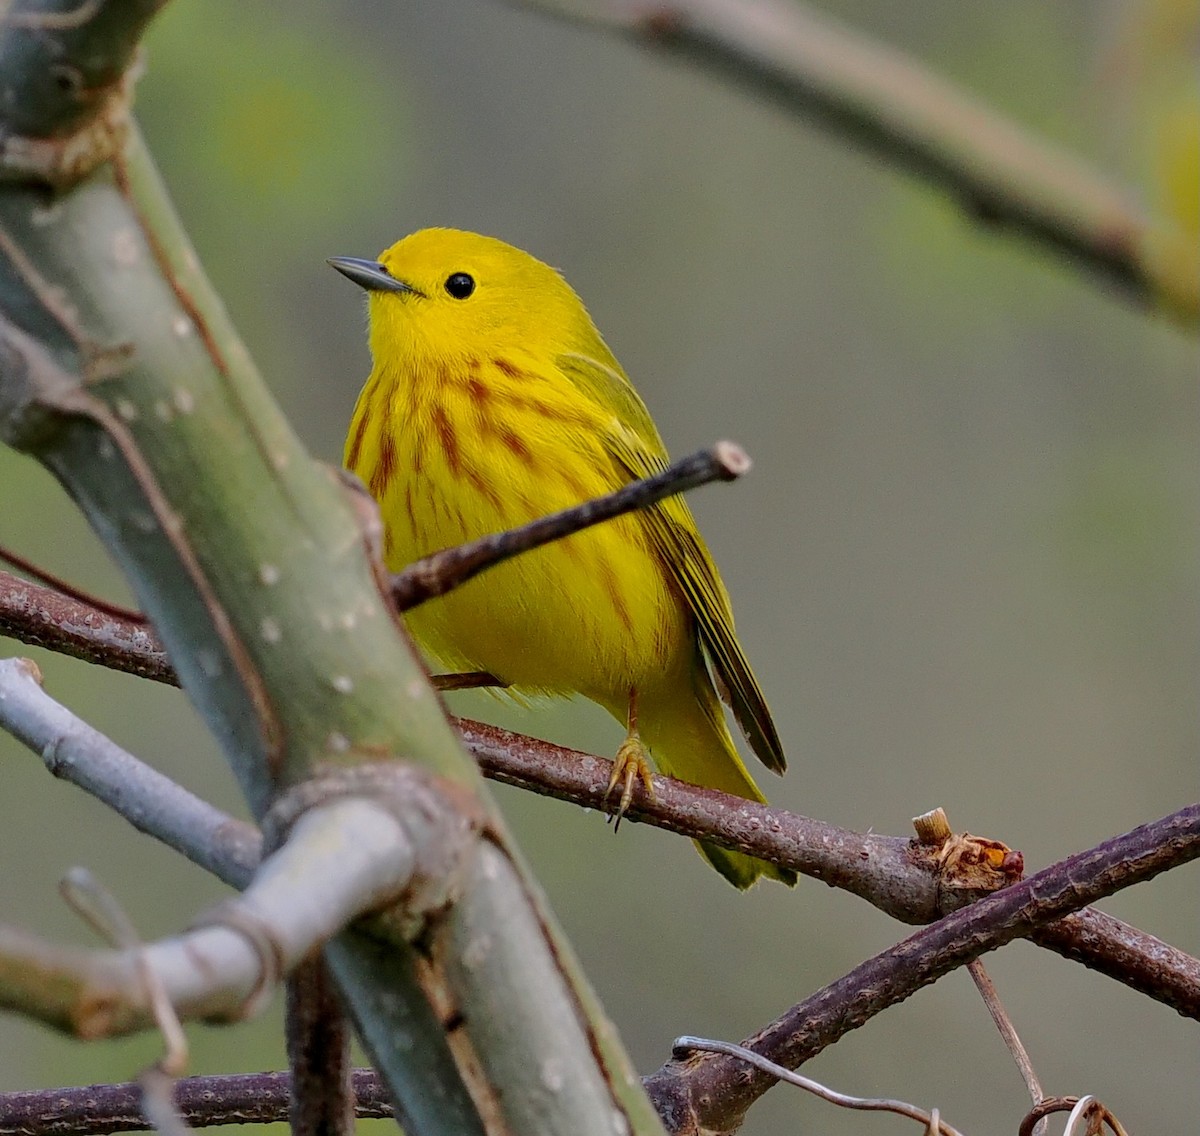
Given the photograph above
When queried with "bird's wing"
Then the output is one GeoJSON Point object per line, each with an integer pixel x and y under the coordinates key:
{"type": "Point", "coordinates": [634, 443]}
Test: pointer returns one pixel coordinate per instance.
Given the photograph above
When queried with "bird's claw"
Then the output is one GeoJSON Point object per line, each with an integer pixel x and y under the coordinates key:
{"type": "Point", "coordinates": [631, 765]}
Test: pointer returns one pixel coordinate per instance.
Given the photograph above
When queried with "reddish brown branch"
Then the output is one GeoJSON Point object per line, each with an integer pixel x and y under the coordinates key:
{"type": "Point", "coordinates": [890, 872]}
{"type": "Point", "coordinates": [712, 1092]}
{"type": "Point", "coordinates": [42, 617]}
{"type": "Point", "coordinates": [66, 588]}
{"type": "Point", "coordinates": [1141, 961]}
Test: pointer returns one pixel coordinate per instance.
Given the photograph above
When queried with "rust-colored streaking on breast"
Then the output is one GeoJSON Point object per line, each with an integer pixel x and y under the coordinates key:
{"type": "Point", "coordinates": [381, 475]}
{"type": "Point", "coordinates": [515, 444]}
{"type": "Point", "coordinates": [484, 488]}
{"type": "Point", "coordinates": [360, 431]}
{"type": "Point", "coordinates": [509, 369]}
{"type": "Point", "coordinates": [447, 439]}
{"type": "Point", "coordinates": [410, 508]}
{"type": "Point", "coordinates": [612, 585]}
{"type": "Point", "coordinates": [477, 390]}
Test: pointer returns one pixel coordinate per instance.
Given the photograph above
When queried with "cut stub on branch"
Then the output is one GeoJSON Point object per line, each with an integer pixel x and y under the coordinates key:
{"type": "Point", "coordinates": [966, 866]}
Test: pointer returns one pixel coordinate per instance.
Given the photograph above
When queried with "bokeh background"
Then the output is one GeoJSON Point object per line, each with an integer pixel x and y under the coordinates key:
{"type": "Point", "coordinates": [965, 564]}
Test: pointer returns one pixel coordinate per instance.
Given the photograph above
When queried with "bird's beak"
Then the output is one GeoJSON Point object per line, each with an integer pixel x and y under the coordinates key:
{"type": "Point", "coordinates": [369, 274]}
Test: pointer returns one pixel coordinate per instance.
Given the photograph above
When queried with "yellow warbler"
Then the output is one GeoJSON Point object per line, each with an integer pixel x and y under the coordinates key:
{"type": "Point", "coordinates": [492, 400]}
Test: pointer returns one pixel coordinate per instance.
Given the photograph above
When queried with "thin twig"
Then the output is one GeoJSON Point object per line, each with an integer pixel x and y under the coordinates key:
{"type": "Point", "coordinates": [932, 1121]}
{"type": "Point", "coordinates": [934, 831]}
{"type": "Point", "coordinates": [1077, 1107]}
{"type": "Point", "coordinates": [102, 911]}
{"type": "Point", "coordinates": [437, 574]}
{"type": "Point", "coordinates": [991, 999]}
{"type": "Point", "coordinates": [90, 899]}
{"type": "Point", "coordinates": [1000, 174]}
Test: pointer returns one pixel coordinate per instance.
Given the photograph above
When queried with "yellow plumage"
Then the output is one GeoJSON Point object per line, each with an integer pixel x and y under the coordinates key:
{"type": "Point", "coordinates": [492, 401]}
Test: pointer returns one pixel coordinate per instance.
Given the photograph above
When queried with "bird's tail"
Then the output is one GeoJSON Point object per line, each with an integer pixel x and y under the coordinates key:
{"type": "Point", "coordinates": [688, 739]}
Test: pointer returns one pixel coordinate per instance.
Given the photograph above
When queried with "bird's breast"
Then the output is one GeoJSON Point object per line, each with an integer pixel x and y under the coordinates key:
{"type": "Point", "coordinates": [465, 457]}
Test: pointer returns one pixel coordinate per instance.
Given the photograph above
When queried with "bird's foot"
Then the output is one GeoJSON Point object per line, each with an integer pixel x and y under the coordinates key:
{"type": "Point", "coordinates": [631, 765]}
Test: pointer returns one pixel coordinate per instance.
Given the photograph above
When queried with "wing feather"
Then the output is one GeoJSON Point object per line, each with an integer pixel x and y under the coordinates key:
{"type": "Point", "coordinates": [635, 445]}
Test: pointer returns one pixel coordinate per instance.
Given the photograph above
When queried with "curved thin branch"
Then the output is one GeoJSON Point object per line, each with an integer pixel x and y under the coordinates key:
{"type": "Point", "coordinates": [930, 1121]}
{"type": "Point", "coordinates": [1000, 174]}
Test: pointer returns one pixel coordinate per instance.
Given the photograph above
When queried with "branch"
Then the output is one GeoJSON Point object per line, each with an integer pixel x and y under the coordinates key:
{"type": "Point", "coordinates": [437, 574]}
{"type": "Point", "coordinates": [343, 856]}
{"type": "Point", "coordinates": [888, 103]}
{"type": "Point", "coordinates": [712, 1093]}
{"type": "Point", "coordinates": [891, 872]}
{"type": "Point", "coordinates": [42, 617]}
{"type": "Point", "coordinates": [237, 1098]}
{"type": "Point", "coordinates": [154, 804]}
{"type": "Point", "coordinates": [321, 1101]}
{"type": "Point", "coordinates": [884, 870]}
{"type": "Point", "coordinates": [1142, 962]}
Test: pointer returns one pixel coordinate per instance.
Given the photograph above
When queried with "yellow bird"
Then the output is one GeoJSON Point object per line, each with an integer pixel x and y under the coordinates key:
{"type": "Point", "coordinates": [493, 400]}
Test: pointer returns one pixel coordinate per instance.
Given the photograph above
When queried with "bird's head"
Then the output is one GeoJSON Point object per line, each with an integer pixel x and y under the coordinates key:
{"type": "Point", "coordinates": [441, 295]}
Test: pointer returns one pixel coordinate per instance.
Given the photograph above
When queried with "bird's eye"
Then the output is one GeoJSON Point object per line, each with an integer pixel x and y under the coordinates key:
{"type": "Point", "coordinates": [460, 285]}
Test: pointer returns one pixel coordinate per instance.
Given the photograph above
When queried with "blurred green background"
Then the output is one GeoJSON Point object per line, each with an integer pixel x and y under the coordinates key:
{"type": "Point", "coordinates": [965, 563]}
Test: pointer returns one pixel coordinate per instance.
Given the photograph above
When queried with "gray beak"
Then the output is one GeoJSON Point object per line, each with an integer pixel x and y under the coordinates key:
{"type": "Point", "coordinates": [370, 274]}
